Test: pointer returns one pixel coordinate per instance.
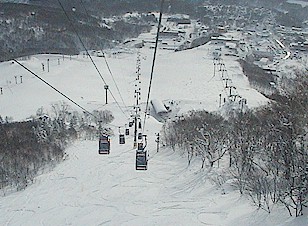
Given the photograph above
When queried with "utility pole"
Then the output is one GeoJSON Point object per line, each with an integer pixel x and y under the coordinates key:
{"type": "Point", "coordinates": [216, 63]}
{"type": "Point", "coordinates": [106, 89]}
{"type": "Point", "coordinates": [230, 90]}
{"type": "Point", "coordinates": [221, 66]}
{"type": "Point", "coordinates": [157, 142]}
{"type": "Point", "coordinates": [243, 102]}
{"type": "Point", "coordinates": [47, 65]}
{"type": "Point", "coordinates": [135, 131]}
{"type": "Point", "coordinates": [226, 79]}
{"type": "Point", "coordinates": [222, 72]}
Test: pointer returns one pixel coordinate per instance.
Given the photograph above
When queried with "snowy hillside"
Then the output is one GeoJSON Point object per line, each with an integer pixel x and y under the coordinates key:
{"type": "Point", "coordinates": [92, 189]}
{"type": "Point", "coordinates": [302, 3]}
{"type": "Point", "coordinates": [192, 84]}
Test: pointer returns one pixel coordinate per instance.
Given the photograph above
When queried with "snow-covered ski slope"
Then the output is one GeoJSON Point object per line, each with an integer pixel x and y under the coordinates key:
{"type": "Point", "coordinates": [92, 189]}
{"type": "Point", "coordinates": [185, 76]}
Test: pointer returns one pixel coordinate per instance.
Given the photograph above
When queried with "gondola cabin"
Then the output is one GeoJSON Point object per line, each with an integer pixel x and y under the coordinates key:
{"type": "Point", "coordinates": [104, 145]}
{"type": "Point", "coordinates": [141, 160]}
{"type": "Point", "coordinates": [121, 139]}
{"type": "Point", "coordinates": [139, 136]}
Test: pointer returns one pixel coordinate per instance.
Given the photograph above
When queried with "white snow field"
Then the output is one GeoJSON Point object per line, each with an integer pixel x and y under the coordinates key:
{"type": "Point", "coordinates": [92, 189]}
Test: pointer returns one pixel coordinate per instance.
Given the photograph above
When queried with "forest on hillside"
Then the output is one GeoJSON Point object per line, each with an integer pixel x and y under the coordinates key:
{"type": "Point", "coordinates": [28, 29]}
{"type": "Point", "coordinates": [263, 151]}
{"type": "Point", "coordinates": [30, 147]}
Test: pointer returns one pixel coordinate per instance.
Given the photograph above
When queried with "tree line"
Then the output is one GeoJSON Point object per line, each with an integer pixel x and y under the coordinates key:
{"type": "Point", "coordinates": [27, 148]}
{"type": "Point", "coordinates": [48, 30]}
{"type": "Point", "coordinates": [263, 151]}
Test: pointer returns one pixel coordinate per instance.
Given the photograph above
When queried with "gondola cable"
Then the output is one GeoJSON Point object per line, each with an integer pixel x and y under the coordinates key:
{"type": "Point", "coordinates": [61, 93]}
{"type": "Point", "coordinates": [153, 62]}
{"type": "Point", "coordinates": [141, 153]}
{"type": "Point", "coordinates": [104, 55]}
{"type": "Point", "coordinates": [58, 91]}
{"type": "Point", "coordinates": [73, 27]}
{"type": "Point", "coordinates": [104, 141]}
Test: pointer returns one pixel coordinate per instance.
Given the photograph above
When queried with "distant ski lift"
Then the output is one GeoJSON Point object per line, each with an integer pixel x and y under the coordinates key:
{"type": "Point", "coordinates": [131, 123]}
{"type": "Point", "coordinates": [126, 131]}
{"type": "Point", "coordinates": [104, 145]}
{"type": "Point", "coordinates": [121, 139]}
{"type": "Point", "coordinates": [141, 160]}
{"type": "Point", "coordinates": [139, 136]}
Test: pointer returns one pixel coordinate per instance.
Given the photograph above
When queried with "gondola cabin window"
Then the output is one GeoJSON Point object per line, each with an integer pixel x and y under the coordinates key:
{"type": "Point", "coordinates": [140, 146]}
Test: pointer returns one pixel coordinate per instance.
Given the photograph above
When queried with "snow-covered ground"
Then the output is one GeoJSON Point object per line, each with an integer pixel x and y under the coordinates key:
{"type": "Point", "coordinates": [91, 189]}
